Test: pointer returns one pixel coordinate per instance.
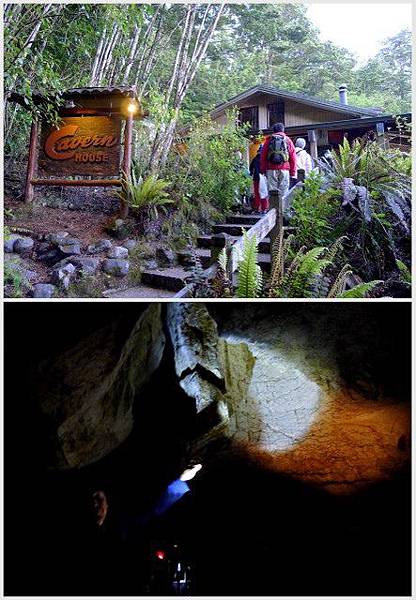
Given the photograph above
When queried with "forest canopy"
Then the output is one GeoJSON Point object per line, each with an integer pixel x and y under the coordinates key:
{"type": "Point", "coordinates": [185, 59]}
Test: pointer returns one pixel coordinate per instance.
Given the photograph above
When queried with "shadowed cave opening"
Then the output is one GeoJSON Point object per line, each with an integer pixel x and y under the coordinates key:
{"type": "Point", "coordinates": [245, 528]}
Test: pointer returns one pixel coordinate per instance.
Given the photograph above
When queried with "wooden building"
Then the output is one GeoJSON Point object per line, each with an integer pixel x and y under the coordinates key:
{"type": "Point", "coordinates": [323, 123]}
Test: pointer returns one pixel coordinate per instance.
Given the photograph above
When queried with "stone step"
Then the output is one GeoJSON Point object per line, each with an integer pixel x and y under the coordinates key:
{"type": "Point", "coordinates": [246, 219]}
{"type": "Point", "coordinates": [140, 291]}
{"type": "Point", "coordinates": [173, 278]}
{"type": "Point", "coordinates": [185, 256]}
{"type": "Point", "coordinates": [264, 245]}
{"type": "Point", "coordinates": [231, 228]}
{"type": "Point", "coordinates": [204, 241]}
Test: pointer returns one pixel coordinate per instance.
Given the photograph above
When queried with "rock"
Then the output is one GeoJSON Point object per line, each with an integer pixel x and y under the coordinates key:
{"type": "Point", "coordinates": [165, 257]}
{"type": "Point", "coordinates": [187, 258]}
{"type": "Point", "coordinates": [30, 275]}
{"type": "Point", "coordinates": [194, 338]}
{"type": "Point", "coordinates": [44, 247]}
{"type": "Point", "coordinates": [57, 238]}
{"type": "Point", "coordinates": [151, 265]}
{"type": "Point", "coordinates": [119, 229]}
{"type": "Point", "coordinates": [70, 246]}
{"type": "Point", "coordinates": [116, 266]}
{"type": "Point", "coordinates": [86, 393]}
{"type": "Point", "coordinates": [100, 246]}
{"type": "Point", "coordinates": [43, 290]}
{"type": "Point", "coordinates": [300, 400]}
{"type": "Point", "coordinates": [9, 242]}
{"type": "Point", "coordinates": [130, 245]}
{"type": "Point", "coordinates": [86, 264]}
{"type": "Point", "coordinates": [23, 245]}
{"type": "Point", "coordinates": [118, 252]}
{"type": "Point", "coordinates": [64, 276]}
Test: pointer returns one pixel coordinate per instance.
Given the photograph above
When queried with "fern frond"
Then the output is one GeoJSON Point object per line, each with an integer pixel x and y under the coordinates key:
{"type": "Point", "coordinates": [336, 247]}
{"type": "Point", "coordinates": [361, 290]}
{"type": "Point", "coordinates": [250, 279]}
{"type": "Point", "coordinates": [404, 271]}
{"type": "Point", "coordinates": [339, 284]}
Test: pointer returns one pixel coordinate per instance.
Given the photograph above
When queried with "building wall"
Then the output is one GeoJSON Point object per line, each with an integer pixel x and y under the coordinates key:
{"type": "Point", "coordinates": [296, 113]}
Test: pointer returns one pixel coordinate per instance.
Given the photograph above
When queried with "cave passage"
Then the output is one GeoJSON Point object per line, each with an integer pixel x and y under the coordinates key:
{"type": "Point", "coordinates": [243, 529]}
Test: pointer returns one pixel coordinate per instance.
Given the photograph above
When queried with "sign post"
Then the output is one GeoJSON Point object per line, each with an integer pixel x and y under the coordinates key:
{"type": "Point", "coordinates": [86, 143]}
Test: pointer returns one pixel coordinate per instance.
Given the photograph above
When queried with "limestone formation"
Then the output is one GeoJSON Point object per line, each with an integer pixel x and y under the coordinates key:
{"type": "Point", "coordinates": [87, 392]}
{"type": "Point", "coordinates": [194, 338]}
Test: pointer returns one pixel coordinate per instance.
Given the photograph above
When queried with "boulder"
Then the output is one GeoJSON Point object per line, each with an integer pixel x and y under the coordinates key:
{"type": "Point", "coordinates": [70, 246]}
{"type": "Point", "coordinates": [43, 290]}
{"type": "Point", "coordinates": [165, 257]}
{"type": "Point", "coordinates": [86, 392]}
{"type": "Point", "coordinates": [130, 245]}
{"type": "Point", "coordinates": [9, 243]}
{"type": "Point", "coordinates": [86, 264]}
{"type": "Point", "coordinates": [119, 229]}
{"type": "Point", "coordinates": [100, 246]}
{"type": "Point", "coordinates": [23, 245]}
{"type": "Point", "coordinates": [57, 238]}
{"type": "Point", "coordinates": [64, 275]}
{"type": "Point", "coordinates": [118, 252]}
{"type": "Point", "coordinates": [151, 265]}
{"type": "Point", "coordinates": [116, 266]}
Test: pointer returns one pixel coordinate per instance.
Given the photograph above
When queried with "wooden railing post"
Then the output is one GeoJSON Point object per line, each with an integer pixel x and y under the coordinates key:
{"type": "Point", "coordinates": [275, 200]}
{"type": "Point", "coordinates": [31, 162]}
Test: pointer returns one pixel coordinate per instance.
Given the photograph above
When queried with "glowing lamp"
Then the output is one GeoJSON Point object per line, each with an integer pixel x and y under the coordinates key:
{"type": "Point", "coordinates": [131, 108]}
{"type": "Point", "coordinates": [160, 554]}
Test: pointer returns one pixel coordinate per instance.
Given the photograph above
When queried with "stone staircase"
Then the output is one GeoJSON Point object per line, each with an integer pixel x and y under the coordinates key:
{"type": "Point", "coordinates": [171, 280]}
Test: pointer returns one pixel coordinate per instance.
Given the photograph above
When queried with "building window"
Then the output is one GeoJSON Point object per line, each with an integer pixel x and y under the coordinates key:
{"type": "Point", "coordinates": [250, 115]}
{"type": "Point", "coordinates": [276, 112]}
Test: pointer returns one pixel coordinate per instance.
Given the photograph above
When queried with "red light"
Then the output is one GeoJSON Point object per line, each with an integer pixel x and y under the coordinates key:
{"type": "Point", "coordinates": [160, 554]}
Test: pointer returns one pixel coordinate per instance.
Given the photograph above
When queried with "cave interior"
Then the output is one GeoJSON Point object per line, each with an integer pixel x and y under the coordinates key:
{"type": "Point", "coordinates": [244, 529]}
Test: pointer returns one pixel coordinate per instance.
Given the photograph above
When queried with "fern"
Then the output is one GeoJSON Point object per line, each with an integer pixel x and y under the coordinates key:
{"type": "Point", "coordinates": [405, 273]}
{"type": "Point", "coordinates": [145, 195]}
{"type": "Point", "coordinates": [361, 290]}
{"type": "Point", "coordinates": [250, 279]}
{"type": "Point", "coordinates": [339, 284]}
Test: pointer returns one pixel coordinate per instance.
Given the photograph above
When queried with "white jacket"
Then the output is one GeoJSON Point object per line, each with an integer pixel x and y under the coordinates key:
{"type": "Point", "coordinates": [303, 160]}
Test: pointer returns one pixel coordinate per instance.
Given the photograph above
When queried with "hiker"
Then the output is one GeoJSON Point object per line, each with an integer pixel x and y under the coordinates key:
{"type": "Point", "coordinates": [278, 163]}
{"type": "Point", "coordinates": [113, 533]}
{"type": "Point", "coordinates": [303, 160]}
{"type": "Point", "coordinates": [261, 196]}
{"type": "Point", "coordinates": [172, 494]}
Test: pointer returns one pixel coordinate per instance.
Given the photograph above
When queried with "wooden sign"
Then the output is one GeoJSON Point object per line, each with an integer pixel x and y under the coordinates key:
{"type": "Point", "coordinates": [81, 146]}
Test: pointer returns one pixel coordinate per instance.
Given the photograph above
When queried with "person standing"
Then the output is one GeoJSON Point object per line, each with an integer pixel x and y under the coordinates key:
{"type": "Point", "coordinates": [278, 163]}
{"type": "Point", "coordinates": [303, 159]}
{"type": "Point", "coordinates": [260, 205]}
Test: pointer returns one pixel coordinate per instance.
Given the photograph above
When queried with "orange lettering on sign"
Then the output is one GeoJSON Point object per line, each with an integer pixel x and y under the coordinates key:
{"type": "Point", "coordinates": [61, 144]}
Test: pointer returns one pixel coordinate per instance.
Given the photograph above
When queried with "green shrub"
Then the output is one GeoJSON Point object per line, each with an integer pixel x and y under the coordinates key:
{"type": "Point", "coordinates": [313, 209]}
{"type": "Point", "coordinates": [209, 169]}
{"type": "Point", "coordinates": [145, 197]}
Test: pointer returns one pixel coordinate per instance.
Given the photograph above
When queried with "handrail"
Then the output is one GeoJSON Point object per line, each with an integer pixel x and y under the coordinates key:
{"type": "Point", "coordinates": [271, 223]}
{"type": "Point", "coordinates": [234, 249]}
